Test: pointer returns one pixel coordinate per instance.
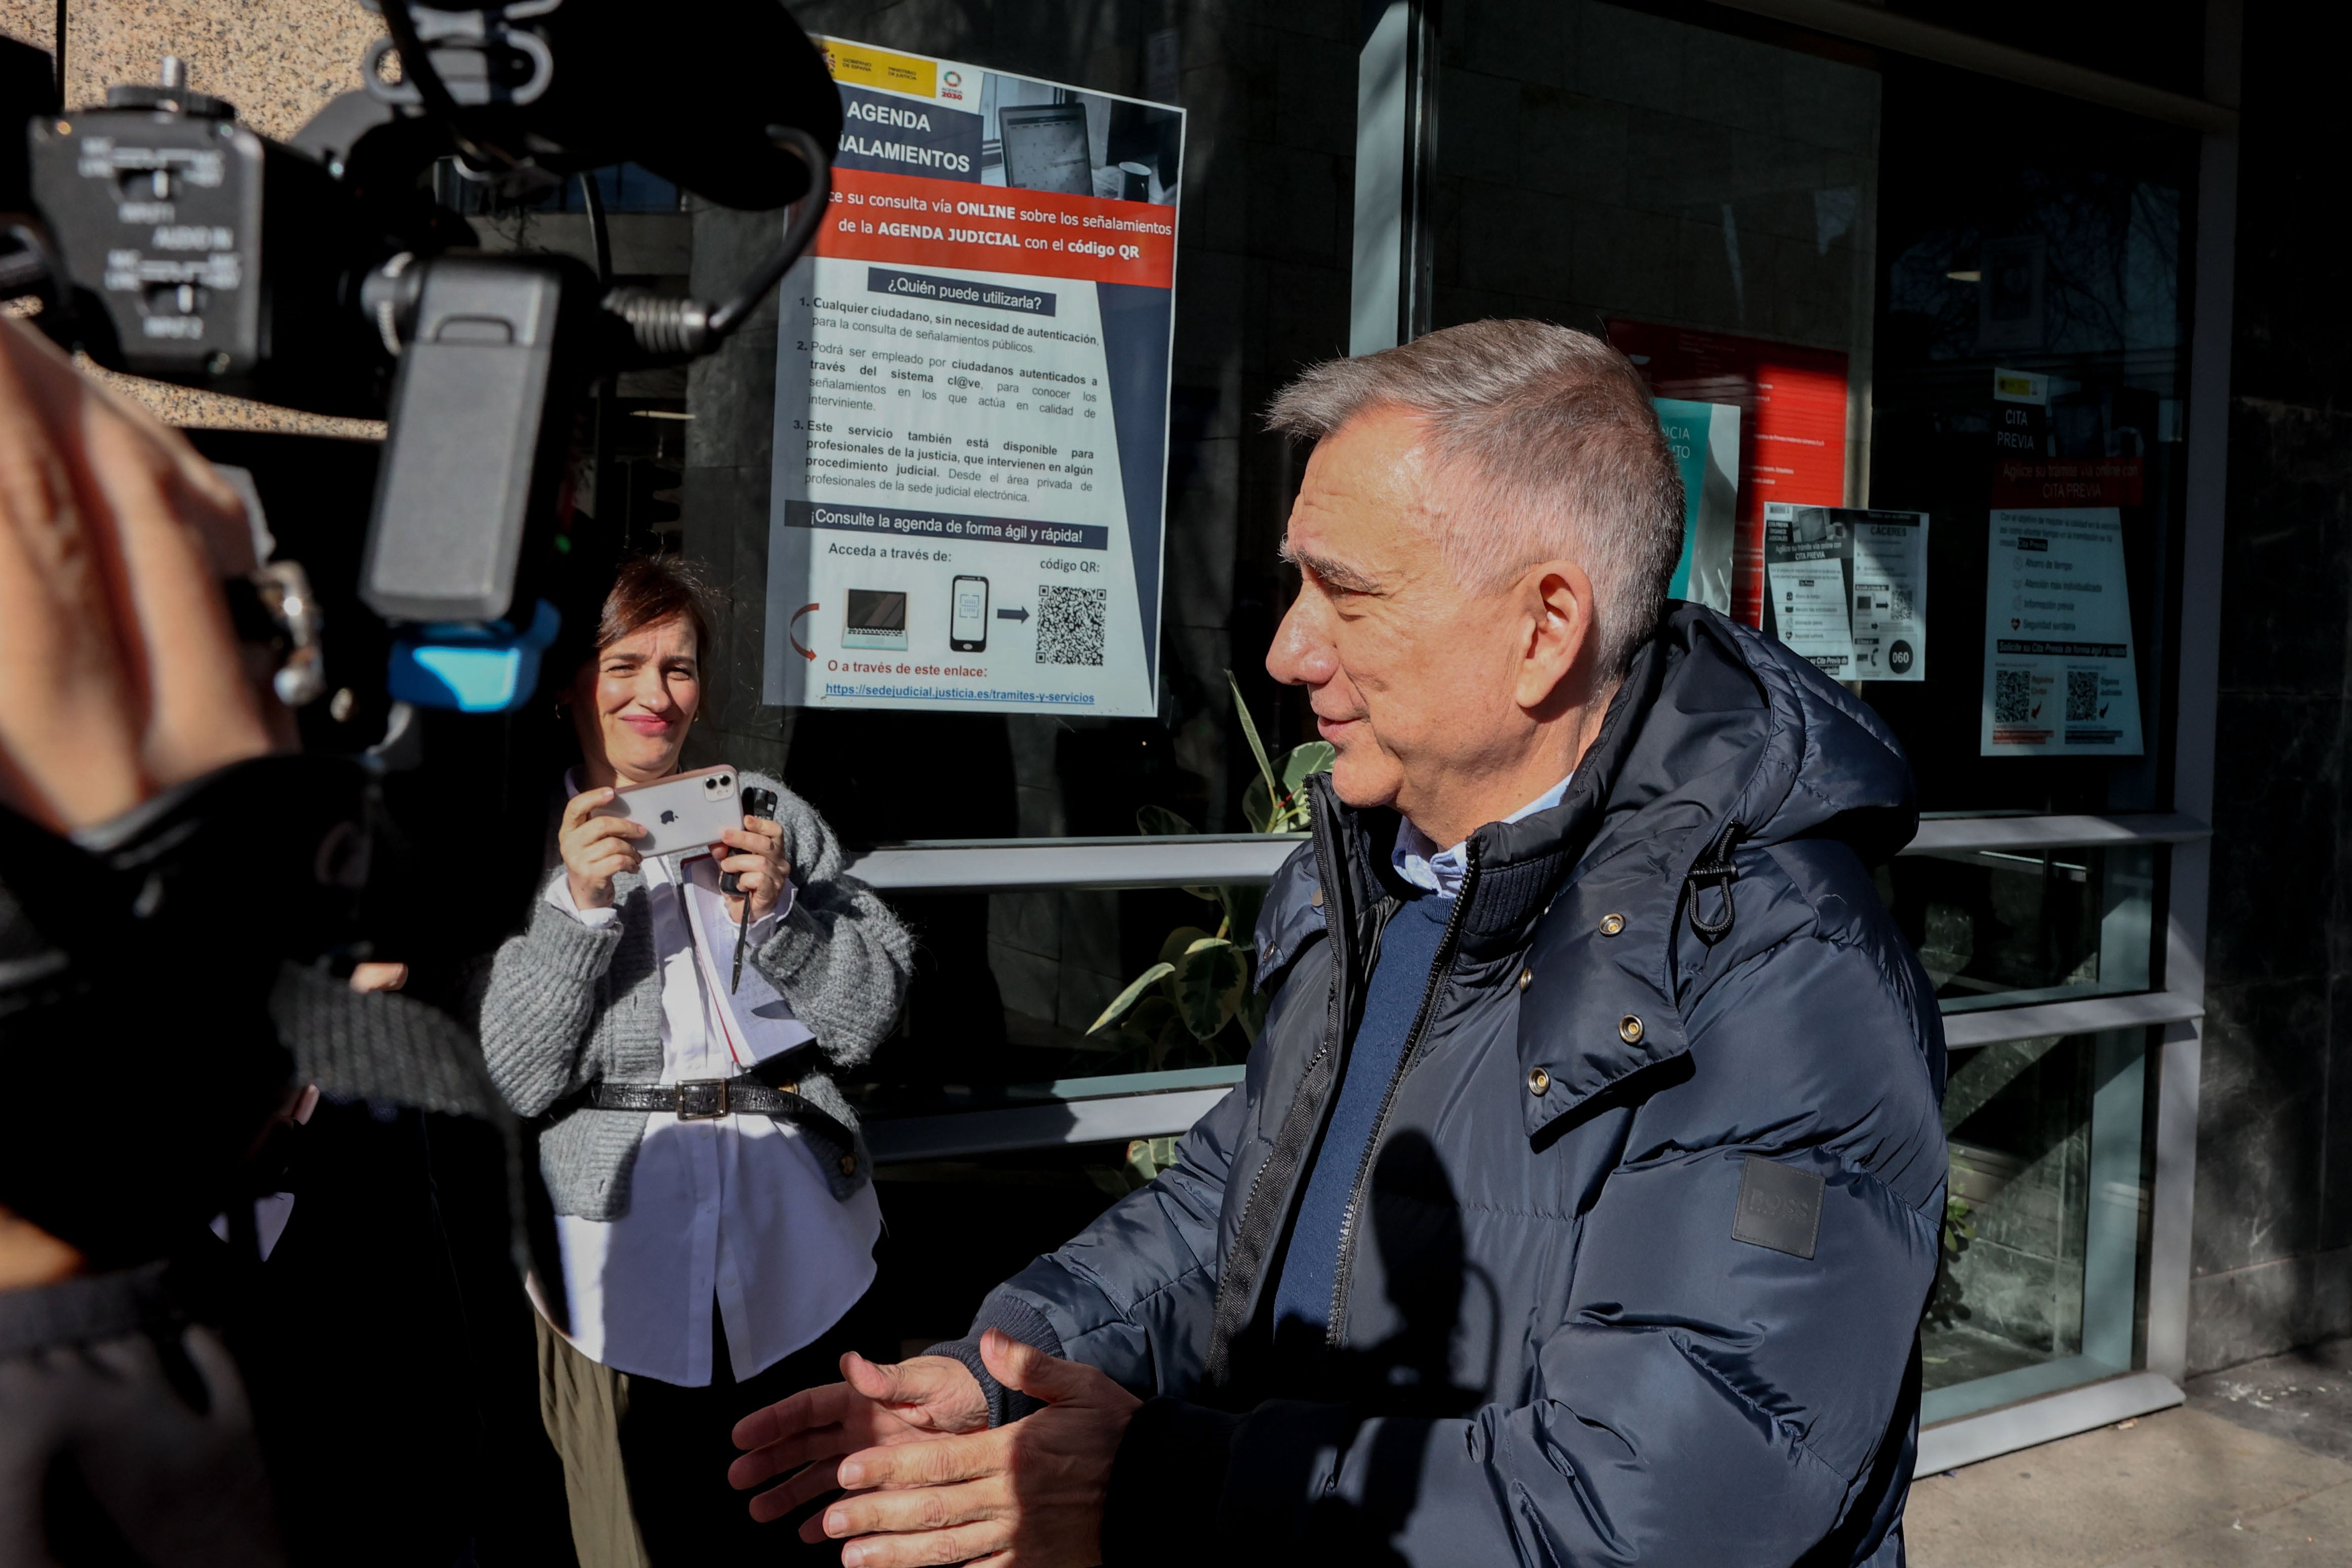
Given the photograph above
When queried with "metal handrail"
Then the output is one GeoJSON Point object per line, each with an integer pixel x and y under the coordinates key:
{"type": "Point", "coordinates": [2083, 1015]}
{"type": "Point", "coordinates": [1104, 1109]}
{"type": "Point", "coordinates": [1944, 835]}
{"type": "Point", "coordinates": [1018, 864]}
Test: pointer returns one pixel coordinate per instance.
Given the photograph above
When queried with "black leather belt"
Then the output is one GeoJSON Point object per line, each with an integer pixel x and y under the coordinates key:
{"type": "Point", "coordinates": [708, 1098]}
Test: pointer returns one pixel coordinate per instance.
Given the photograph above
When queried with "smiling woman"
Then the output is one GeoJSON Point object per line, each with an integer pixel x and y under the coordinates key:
{"type": "Point", "coordinates": [632, 703]}
{"type": "Point", "coordinates": [692, 1125]}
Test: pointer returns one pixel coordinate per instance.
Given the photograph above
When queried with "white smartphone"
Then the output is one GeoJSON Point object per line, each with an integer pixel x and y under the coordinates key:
{"type": "Point", "coordinates": [685, 813]}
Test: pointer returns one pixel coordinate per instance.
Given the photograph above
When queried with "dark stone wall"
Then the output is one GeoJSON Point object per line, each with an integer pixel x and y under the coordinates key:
{"type": "Point", "coordinates": [2273, 1225]}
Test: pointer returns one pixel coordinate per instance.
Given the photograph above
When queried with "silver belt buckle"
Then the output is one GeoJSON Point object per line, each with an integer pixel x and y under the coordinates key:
{"type": "Point", "coordinates": [701, 1099]}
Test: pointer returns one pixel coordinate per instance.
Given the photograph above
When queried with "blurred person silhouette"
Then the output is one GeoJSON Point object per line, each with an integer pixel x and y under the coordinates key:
{"type": "Point", "coordinates": [146, 832]}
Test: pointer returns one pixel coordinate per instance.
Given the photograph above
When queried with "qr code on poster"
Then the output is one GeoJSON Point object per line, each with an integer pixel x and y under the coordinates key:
{"type": "Point", "coordinates": [2081, 696]}
{"type": "Point", "coordinates": [2012, 696]}
{"type": "Point", "coordinates": [1070, 625]}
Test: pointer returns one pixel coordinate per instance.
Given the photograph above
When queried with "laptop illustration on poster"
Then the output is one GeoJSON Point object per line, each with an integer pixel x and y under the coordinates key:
{"type": "Point", "coordinates": [875, 619]}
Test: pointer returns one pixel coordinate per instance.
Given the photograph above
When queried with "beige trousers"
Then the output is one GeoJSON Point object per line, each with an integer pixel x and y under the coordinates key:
{"type": "Point", "coordinates": [581, 1404]}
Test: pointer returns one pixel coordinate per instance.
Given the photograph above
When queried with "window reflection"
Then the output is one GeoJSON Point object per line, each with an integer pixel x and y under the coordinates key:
{"type": "Point", "coordinates": [2045, 1221]}
{"type": "Point", "coordinates": [2030, 357]}
{"type": "Point", "coordinates": [1999, 928]}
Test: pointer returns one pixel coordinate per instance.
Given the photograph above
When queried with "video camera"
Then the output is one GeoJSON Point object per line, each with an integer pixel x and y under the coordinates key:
{"type": "Point", "coordinates": [322, 275]}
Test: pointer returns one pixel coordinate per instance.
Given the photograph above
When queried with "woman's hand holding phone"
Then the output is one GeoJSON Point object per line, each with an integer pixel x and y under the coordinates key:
{"type": "Point", "coordinates": [595, 848]}
{"type": "Point", "coordinates": [758, 862]}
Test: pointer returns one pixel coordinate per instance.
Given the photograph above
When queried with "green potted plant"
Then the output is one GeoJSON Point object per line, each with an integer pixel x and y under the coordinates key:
{"type": "Point", "coordinates": [1199, 1006]}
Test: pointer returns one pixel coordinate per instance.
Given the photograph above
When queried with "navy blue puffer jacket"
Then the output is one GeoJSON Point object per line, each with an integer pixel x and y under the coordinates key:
{"type": "Point", "coordinates": [1634, 1268]}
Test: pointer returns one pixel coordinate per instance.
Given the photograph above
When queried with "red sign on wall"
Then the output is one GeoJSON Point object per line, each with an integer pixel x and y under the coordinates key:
{"type": "Point", "coordinates": [1791, 432]}
{"type": "Point", "coordinates": [2029, 482]}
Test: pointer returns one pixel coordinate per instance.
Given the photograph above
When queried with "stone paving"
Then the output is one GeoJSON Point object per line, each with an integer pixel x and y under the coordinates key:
{"type": "Point", "coordinates": [2256, 1469]}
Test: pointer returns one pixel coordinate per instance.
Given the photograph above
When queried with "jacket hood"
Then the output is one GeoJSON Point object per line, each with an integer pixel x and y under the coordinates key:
{"type": "Point", "coordinates": [1716, 724]}
{"type": "Point", "coordinates": [1722, 719]}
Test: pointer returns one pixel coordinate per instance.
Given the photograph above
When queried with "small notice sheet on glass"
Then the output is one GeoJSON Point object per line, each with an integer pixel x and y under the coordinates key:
{"type": "Point", "coordinates": [2059, 673]}
{"type": "Point", "coordinates": [1847, 588]}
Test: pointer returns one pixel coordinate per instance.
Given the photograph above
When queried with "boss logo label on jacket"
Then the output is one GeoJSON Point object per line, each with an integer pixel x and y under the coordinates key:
{"type": "Point", "coordinates": [1779, 1207]}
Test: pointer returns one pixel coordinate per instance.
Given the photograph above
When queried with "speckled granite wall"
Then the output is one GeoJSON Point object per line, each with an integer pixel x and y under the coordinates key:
{"type": "Point", "coordinates": [2273, 1228]}
{"type": "Point", "coordinates": [277, 60]}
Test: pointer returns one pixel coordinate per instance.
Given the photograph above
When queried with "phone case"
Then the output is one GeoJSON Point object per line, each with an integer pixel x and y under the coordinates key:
{"type": "Point", "coordinates": [687, 813]}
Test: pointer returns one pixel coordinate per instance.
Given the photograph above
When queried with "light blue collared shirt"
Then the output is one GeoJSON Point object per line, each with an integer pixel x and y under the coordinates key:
{"type": "Point", "coordinates": [1418, 860]}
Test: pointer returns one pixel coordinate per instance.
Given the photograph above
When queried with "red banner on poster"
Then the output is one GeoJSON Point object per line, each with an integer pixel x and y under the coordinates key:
{"type": "Point", "coordinates": [1791, 434]}
{"type": "Point", "coordinates": [917, 221]}
{"type": "Point", "coordinates": [2065, 481]}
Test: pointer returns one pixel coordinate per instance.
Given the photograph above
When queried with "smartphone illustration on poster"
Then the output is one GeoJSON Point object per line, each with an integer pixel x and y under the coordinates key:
{"type": "Point", "coordinates": [968, 623]}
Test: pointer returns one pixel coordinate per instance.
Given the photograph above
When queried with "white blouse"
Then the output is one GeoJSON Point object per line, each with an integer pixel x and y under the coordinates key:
{"type": "Point", "coordinates": [735, 1208]}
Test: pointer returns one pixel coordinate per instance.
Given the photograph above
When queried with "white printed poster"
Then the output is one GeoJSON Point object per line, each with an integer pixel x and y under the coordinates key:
{"type": "Point", "coordinates": [2060, 680]}
{"type": "Point", "coordinates": [1846, 587]}
{"type": "Point", "coordinates": [971, 399]}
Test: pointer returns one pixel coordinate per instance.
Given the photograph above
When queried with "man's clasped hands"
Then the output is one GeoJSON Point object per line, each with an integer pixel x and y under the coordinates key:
{"type": "Point", "coordinates": [925, 1480]}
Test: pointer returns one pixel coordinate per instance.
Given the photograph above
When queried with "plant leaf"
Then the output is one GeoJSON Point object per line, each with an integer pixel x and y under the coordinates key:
{"type": "Point", "coordinates": [1242, 905]}
{"type": "Point", "coordinates": [1126, 998]}
{"type": "Point", "coordinates": [1284, 809]}
{"type": "Point", "coordinates": [1249, 731]}
{"type": "Point", "coordinates": [1295, 768]}
{"type": "Point", "coordinates": [1160, 821]}
{"type": "Point", "coordinates": [1300, 763]}
{"type": "Point", "coordinates": [1171, 1046]}
{"type": "Point", "coordinates": [1257, 805]}
{"type": "Point", "coordinates": [1180, 942]}
{"type": "Point", "coordinates": [1208, 985]}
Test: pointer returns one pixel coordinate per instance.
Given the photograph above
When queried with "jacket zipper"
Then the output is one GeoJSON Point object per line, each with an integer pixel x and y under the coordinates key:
{"type": "Point", "coordinates": [1227, 1322]}
{"type": "Point", "coordinates": [1440, 972]}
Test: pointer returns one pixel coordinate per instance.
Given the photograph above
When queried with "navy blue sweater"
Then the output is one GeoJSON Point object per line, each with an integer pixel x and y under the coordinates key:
{"type": "Point", "coordinates": [1409, 944]}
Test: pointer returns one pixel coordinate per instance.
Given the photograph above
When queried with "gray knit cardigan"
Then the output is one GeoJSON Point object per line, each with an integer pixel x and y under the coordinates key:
{"type": "Point", "coordinates": [567, 1004]}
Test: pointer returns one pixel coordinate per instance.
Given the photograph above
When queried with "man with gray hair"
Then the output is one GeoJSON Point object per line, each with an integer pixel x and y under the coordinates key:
{"type": "Point", "coordinates": [1582, 1197]}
